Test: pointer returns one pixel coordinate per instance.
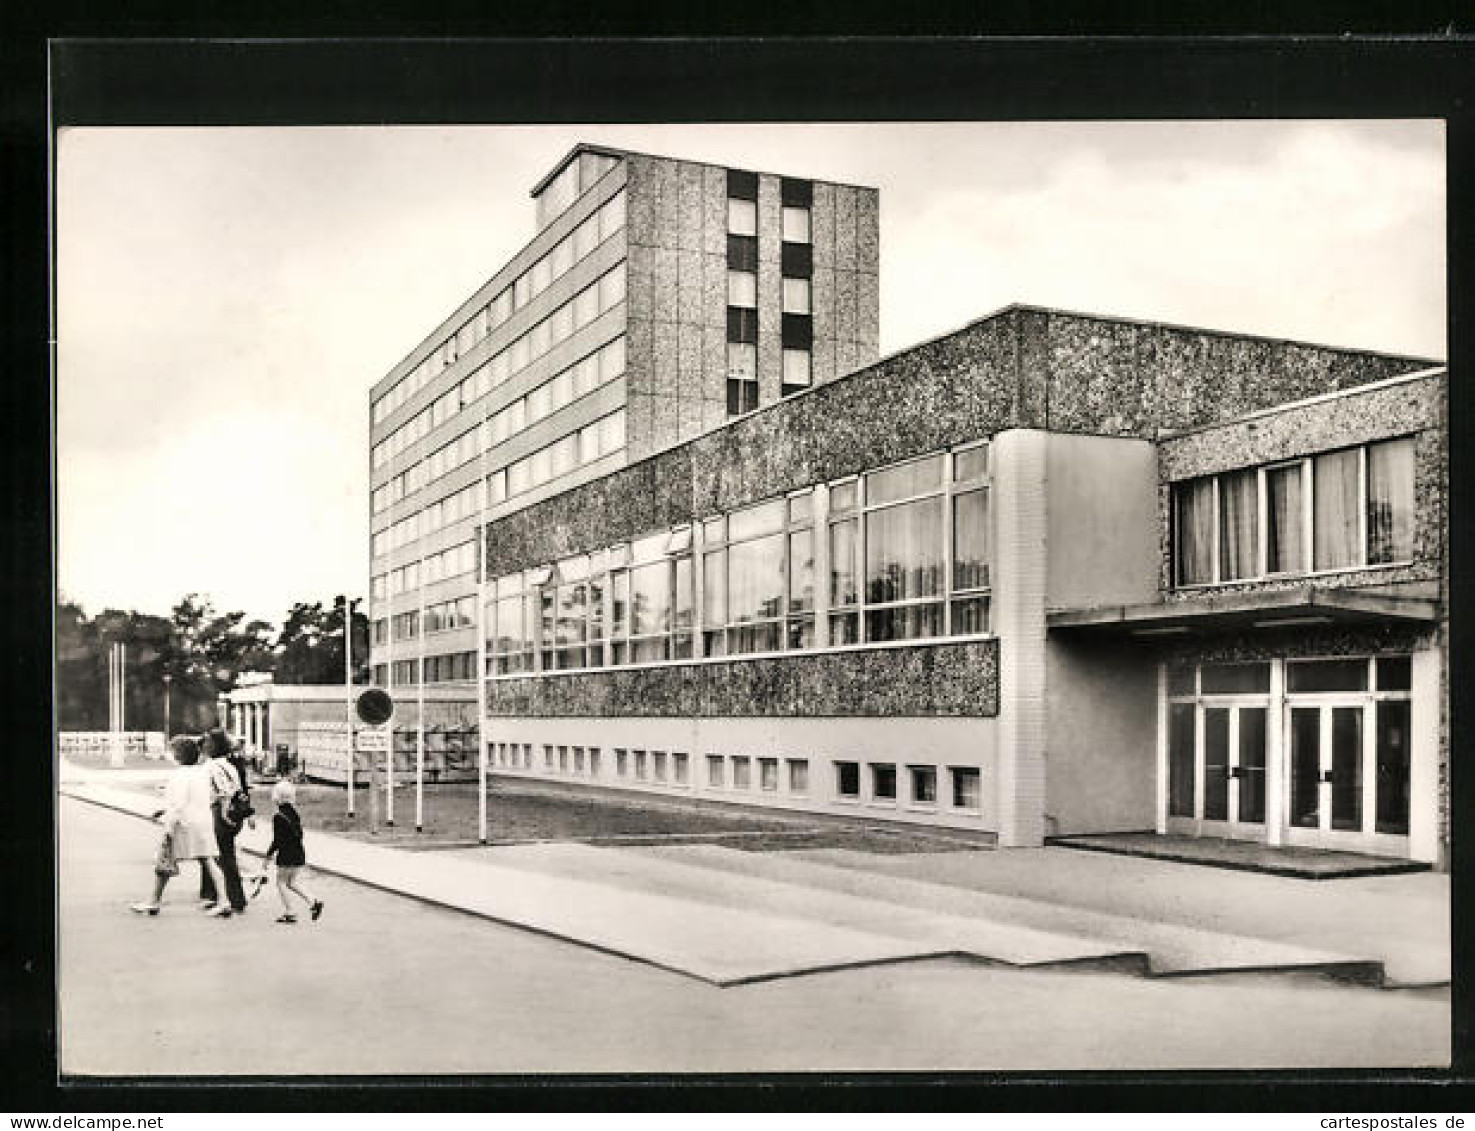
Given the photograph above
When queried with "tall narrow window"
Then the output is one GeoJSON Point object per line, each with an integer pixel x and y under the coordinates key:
{"type": "Point", "coordinates": [797, 297]}
{"type": "Point", "coordinates": [1193, 525]}
{"type": "Point", "coordinates": [742, 217]}
{"type": "Point", "coordinates": [1390, 501]}
{"type": "Point", "coordinates": [1285, 550]}
{"type": "Point", "coordinates": [742, 378]}
{"type": "Point", "coordinates": [1336, 505]}
{"type": "Point", "coordinates": [742, 289]}
{"type": "Point", "coordinates": [1239, 525]}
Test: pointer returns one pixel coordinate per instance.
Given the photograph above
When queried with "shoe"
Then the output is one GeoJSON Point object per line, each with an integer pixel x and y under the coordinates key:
{"type": "Point", "coordinates": [317, 909]}
{"type": "Point", "coordinates": [146, 908]}
{"type": "Point", "coordinates": [286, 918]}
{"type": "Point", "coordinates": [223, 911]}
{"type": "Point", "coordinates": [206, 904]}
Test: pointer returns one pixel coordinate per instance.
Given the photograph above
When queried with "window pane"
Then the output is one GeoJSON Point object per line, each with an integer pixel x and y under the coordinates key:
{"type": "Point", "coordinates": [924, 784]}
{"type": "Point", "coordinates": [797, 370]}
{"type": "Point", "coordinates": [742, 360]}
{"type": "Point", "coordinates": [801, 571]}
{"type": "Point", "coordinates": [765, 518]}
{"type": "Point", "coordinates": [1390, 501]}
{"type": "Point", "coordinates": [1336, 510]}
{"type": "Point", "coordinates": [1395, 673]}
{"type": "Point", "coordinates": [883, 782]}
{"type": "Point", "coordinates": [1393, 760]}
{"type": "Point", "coordinates": [1285, 552]}
{"type": "Point", "coordinates": [904, 622]}
{"type": "Point", "coordinates": [798, 775]}
{"type": "Point", "coordinates": [1231, 679]}
{"type": "Point", "coordinates": [1216, 764]}
{"type": "Point", "coordinates": [651, 599]}
{"type": "Point", "coordinates": [742, 288]}
{"type": "Point", "coordinates": [1239, 525]}
{"type": "Point", "coordinates": [796, 225]}
{"type": "Point", "coordinates": [966, 788]}
{"type": "Point", "coordinates": [742, 217]}
{"type": "Point", "coordinates": [1194, 531]}
{"type": "Point", "coordinates": [970, 616]}
{"type": "Point", "coordinates": [847, 779]}
{"type": "Point", "coordinates": [842, 497]}
{"type": "Point", "coordinates": [1326, 675]}
{"type": "Point", "coordinates": [970, 541]}
{"type": "Point", "coordinates": [844, 628]}
{"type": "Point", "coordinates": [755, 579]}
{"type": "Point", "coordinates": [970, 464]}
{"type": "Point", "coordinates": [796, 298]}
{"type": "Point", "coordinates": [715, 767]}
{"type": "Point", "coordinates": [904, 551]}
{"type": "Point", "coordinates": [1180, 760]}
{"type": "Point", "coordinates": [904, 480]}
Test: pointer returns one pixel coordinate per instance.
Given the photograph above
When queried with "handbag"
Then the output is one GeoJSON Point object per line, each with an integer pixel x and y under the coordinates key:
{"type": "Point", "coordinates": [164, 862]}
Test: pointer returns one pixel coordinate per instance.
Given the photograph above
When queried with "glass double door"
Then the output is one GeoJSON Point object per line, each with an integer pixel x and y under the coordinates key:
{"type": "Point", "coordinates": [1217, 764]}
{"type": "Point", "coordinates": [1348, 773]}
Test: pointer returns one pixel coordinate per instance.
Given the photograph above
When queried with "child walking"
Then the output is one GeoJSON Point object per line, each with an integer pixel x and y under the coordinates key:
{"type": "Point", "coordinates": [286, 847]}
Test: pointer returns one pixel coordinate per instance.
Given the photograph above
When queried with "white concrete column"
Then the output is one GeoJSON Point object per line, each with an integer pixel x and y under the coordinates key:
{"type": "Point", "coordinates": [1020, 565]}
{"type": "Point", "coordinates": [1277, 772]}
{"type": "Point", "coordinates": [1423, 785]}
{"type": "Point", "coordinates": [1161, 785]}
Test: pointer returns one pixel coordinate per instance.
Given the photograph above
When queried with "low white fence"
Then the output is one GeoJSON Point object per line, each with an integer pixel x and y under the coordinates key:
{"type": "Point", "coordinates": [111, 744]}
{"type": "Point", "coordinates": [322, 753]}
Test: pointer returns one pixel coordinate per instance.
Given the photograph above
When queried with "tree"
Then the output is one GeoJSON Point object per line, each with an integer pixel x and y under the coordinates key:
{"type": "Point", "coordinates": [310, 645]}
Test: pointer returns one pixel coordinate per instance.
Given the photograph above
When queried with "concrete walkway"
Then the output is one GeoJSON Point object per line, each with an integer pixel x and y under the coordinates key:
{"type": "Point", "coordinates": [729, 917]}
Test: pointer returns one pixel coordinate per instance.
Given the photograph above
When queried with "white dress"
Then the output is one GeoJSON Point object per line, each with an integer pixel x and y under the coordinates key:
{"type": "Point", "coordinates": [187, 815]}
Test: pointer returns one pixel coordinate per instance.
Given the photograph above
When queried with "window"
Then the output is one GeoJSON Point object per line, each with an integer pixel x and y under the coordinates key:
{"type": "Point", "coordinates": [742, 289]}
{"type": "Point", "coordinates": [715, 775]}
{"type": "Point", "coordinates": [1285, 520]}
{"type": "Point", "coordinates": [1348, 508]}
{"type": "Point", "coordinates": [924, 784]}
{"type": "Point", "coordinates": [1390, 501]}
{"type": "Point", "coordinates": [847, 779]}
{"type": "Point", "coordinates": [680, 770]}
{"type": "Point", "coordinates": [742, 217]}
{"type": "Point", "coordinates": [798, 775]}
{"type": "Point", "coordinates": [967, 790]}
{"type": "Point", "coordinates": [904, 553]}
{"type": "Point", "coordinates": [796, 298]}
{"type": "Point", "coordinates": [622, 762]}
{"type": "Point", "coordinates": [768, 774]}
{"type": "Point", "coordinates": [796, 225]}
{"type": "Point", "coordinates": [883, 781]}
{"type": "Point", "coordinates": [640, 765]}
{"type": "Point", "coordinates": [742, 378]}
{"type": "Point", "coordinates": [741, 772]}
{"type": "Point", "coordinates": [797, 372]}
{"type": "Point", "coordinates": [1336, 518]}
{"type": "Point", "coordinates": [658, 765]}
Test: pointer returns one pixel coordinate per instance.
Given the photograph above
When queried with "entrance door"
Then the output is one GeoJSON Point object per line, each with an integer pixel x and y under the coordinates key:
{"type": "Point", "coordinates": [1348, 757]}
{"type": "Point", "coordinates": [1217, 769]}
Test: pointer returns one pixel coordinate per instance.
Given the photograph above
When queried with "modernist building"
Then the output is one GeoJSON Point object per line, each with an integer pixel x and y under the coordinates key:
{"type": "Point", "coordinates": [657, 300]}
{"type": "Point", "coordinates": [1049, 574]}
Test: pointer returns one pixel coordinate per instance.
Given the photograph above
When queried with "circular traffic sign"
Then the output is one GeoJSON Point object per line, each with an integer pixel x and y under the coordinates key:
{"type": "Point", "coordinates": [374, 707]}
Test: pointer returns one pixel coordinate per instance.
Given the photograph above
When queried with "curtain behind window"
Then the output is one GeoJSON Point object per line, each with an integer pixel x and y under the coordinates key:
{"type": "Point", "coordinates": [1336, 505]}
{"type": "Point", "coordinates": [1239, 525]}
{"type": "Point", "coordinates": [1194, 526]}
{"type": "Point", "coordinates": [1284, 551]}
{"type": "Point", "coordinates": [1390, 501]}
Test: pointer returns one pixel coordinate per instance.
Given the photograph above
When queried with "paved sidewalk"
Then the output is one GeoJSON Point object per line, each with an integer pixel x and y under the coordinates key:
{"type": "Point", "coordinates": [383, 984]}
{"type": "Point", "coordinates": [729, 917]}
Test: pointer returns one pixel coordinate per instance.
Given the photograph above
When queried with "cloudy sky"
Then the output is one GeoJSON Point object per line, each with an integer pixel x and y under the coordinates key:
{"type": "Point", "coordinates": [226, 297]}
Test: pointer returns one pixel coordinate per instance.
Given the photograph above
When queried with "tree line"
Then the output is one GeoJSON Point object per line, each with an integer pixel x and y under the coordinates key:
{"type": "Point", "coordinates": [204, 652]}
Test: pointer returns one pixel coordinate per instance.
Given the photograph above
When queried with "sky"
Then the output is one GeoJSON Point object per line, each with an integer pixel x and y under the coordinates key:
{"type": "Point", "coordinates": [227, 297]}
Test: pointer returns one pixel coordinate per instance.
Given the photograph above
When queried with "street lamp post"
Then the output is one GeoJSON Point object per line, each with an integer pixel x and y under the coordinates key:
{"type": "Point", "coordinates": [168, 679]}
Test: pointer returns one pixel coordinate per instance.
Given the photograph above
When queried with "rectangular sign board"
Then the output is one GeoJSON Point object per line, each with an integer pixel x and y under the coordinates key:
{"type": "Point", "coordinates": [373, 740]}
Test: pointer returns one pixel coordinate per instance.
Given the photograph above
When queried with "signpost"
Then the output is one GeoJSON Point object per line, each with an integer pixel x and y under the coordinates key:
{"type": "Point", "coordinates": [374, 708]}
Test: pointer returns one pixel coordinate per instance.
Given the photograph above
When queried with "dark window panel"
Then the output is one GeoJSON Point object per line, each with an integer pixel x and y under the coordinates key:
{"type": "Point", "coordinates": [742, 253]}
{"type": "Point", "coordinates": [796, 193]}
{"type": "Point", "coordinates": [797, 260]}
{"type": "Point", "coordinates": [790, 390]}
{"type": "Point", "coordinates": [798, 331]}
{"type": "Point", "coordinates": [742, 324]}
{"type": "Point", "coordinates": [741, 184]}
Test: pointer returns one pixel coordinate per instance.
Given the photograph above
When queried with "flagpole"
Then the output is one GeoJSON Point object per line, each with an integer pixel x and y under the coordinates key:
{"type": "Point", "coordinates": [481, 636]}
{"type": "Point", "coordinates": [420, 712]}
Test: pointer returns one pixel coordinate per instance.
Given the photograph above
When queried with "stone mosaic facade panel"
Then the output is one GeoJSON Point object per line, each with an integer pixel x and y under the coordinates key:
{"type": "Point", "coordinates": [919, 681]}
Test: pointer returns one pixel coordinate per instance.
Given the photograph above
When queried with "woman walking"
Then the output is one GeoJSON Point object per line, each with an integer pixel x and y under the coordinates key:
{"type": "Point", "coordinates": [189, 827]}
{"type": "Point", "coordinates": [226, 785]}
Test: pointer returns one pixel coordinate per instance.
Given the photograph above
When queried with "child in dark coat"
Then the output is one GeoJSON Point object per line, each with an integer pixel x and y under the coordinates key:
{"type": "Point", "coordinates": [286, 847]}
